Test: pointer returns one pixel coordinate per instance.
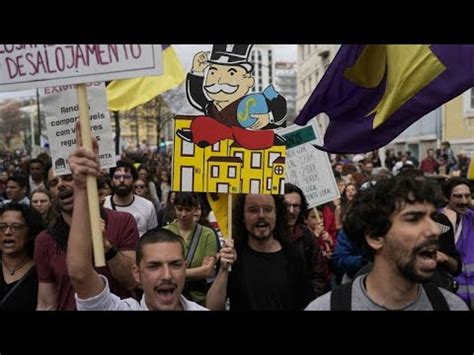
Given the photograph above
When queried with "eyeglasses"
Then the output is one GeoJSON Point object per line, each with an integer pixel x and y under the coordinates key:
{"type": "Point", "coordinates": [256, 209]}
{"type": "Point", "coordinates": [294, 205]}
{"type": "Point", "coordinates": [122, 176]}
{"type": "Point", "coordinates": [15, 227]}
{"type": "Point", "coordinates": [139, 186]}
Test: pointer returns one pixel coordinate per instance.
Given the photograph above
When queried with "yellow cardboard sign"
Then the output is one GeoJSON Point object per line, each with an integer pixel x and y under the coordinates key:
{"type": "Point", "coordinates": [232, 146]}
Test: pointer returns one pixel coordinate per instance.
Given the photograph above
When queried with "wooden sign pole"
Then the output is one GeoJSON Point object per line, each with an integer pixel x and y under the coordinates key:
{"type": "Point", "coordinates": [229, 224]}
{"type": "Point", "coordinates": [92, 194]}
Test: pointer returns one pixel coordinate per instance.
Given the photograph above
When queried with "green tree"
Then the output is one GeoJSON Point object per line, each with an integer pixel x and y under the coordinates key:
{"type": "Point", "coordinates": [10, 121]}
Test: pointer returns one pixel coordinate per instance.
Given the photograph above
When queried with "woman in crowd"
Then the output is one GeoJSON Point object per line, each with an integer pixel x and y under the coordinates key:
{"type": "Point", "coordinates": [201, 247]}
{"type": "Point", "coordinates": [19, 226]}
{"type": "Point", "coordinates": [167, 213]}
{"type": "Point", "coordinates": [42, 202]}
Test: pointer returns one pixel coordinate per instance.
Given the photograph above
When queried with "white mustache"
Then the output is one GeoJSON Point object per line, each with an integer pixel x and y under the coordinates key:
{"type": "Point", "coordinates": [215, 88]}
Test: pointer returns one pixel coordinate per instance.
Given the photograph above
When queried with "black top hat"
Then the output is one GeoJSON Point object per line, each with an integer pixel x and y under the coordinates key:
{"type": "Point", "coordinates": [232, 54]}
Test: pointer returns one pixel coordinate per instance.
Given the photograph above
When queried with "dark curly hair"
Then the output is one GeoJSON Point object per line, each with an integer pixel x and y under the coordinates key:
{"type": "Point", "coordinates": [451, 183]}
{"type": "Point", "coordinates": [282, 228]}
{"type": "Point", "coordinates": [33, 221]}
{"type": "Point", "coordinates": [372, 208]}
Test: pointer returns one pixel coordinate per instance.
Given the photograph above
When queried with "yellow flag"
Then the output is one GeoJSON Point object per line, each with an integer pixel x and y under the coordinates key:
{"type": "Point", "coordinates": [219, 207]}
{"type": "Point", "coordinates": [126, 94]}
{"type": "Point", "coordinates": [470, 172]}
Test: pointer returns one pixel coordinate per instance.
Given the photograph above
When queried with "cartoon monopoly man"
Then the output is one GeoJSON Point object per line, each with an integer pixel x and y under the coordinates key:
{"type": "Point", "coordinates": [218, 85]}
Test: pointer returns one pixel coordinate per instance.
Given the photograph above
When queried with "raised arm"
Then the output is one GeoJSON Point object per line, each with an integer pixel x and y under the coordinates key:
{"type": "Point", "coordinates": [217, 294]}
{"type": "Point", "coordinates": [84, 278]}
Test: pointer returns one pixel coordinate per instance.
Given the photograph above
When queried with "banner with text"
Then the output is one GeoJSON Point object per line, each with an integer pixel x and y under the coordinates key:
{"type": "Point", "coordinates": [33, 66]}
{"type": "Point", "coordinates": [307, 167]}
{"type": "Point", "coordinates": [62, 111]}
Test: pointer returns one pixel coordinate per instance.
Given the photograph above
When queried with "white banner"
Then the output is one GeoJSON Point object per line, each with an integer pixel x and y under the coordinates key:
{"type": "Point", "coordinates": [36, 65]}
{"type": "Point", "coordinates": [307, 167]}
{"type": "Point", "coordinates": [62, 111]}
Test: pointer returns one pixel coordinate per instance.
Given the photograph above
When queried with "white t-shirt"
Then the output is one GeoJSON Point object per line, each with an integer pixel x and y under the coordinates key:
{"type": "Point", "coordinates": [141, 209]}
{"type": "Point", "coordinates": [107, 301]}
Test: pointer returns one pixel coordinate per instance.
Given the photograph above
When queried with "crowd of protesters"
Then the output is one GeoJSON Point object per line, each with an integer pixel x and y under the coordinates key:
{"type": "Point", "coordinates": [398, 222]}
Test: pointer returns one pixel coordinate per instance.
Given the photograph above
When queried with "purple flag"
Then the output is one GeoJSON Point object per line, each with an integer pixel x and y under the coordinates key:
{"type": "Point", "coordinates": [372, 93]}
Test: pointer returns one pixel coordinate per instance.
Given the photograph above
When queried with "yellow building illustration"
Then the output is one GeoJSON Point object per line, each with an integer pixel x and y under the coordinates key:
{"type": "Point", "coordinates": [226, 166]}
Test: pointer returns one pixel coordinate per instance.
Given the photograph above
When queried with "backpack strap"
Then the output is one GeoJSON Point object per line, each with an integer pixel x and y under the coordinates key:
{"type": "Point", "coordinates": [437, 299]}
{"type": "Point", "coordinates": [341, 297]}
{"type": "Point", "coordinates": [194, 244]}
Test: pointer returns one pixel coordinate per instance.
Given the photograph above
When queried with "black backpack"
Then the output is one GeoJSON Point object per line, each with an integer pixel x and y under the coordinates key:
{"type": "Point", "coordinates": [341, 297]}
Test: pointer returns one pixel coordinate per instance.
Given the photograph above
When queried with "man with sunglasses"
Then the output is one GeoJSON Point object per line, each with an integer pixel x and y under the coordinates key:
{"type": "Point", "coordinates": [123, 199]}
{"type": "Point", "coordinates": [55, 291]}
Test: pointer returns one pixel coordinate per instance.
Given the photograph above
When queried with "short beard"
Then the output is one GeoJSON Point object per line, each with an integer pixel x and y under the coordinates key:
{"type": "Point", "coordinates": [123, 191]}
{"type": "Point", "coordinates": [408, 271]}
{"type": "Point", "coordinates": [259, 238]}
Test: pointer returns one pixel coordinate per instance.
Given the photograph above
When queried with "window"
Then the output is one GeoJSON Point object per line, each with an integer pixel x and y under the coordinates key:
{"type": "Point", "coordinates": [223, 188]}
{"type": "Point", "coordinates": [239, 155]}
{"type": "Point", "coordinates": [231, 172]}
{"type": "Point", "coordinates": [269, 184]}
{"type": "Point", "coordinates": [215, 171]}
{"type": "Point", "coordinates": [216, 147]}
{"type": "Point", "coordinates": [256, 160]}
{"type": "Point", "coordinates": [272, 157]}
{"type": "Point", "coordinates": [468, 98]}
{"type": "Point", "coordinates": [187, 148]}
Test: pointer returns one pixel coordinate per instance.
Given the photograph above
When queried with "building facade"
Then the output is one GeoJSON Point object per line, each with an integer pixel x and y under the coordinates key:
{"type": "Point", "coordinates": [285, 84]}
{"type": "Point", "coordinates": [262, 58]}
{"type": "Point", "coordinates": [312, 62]}
{"type": "Point", "coordinates": [458, 123]}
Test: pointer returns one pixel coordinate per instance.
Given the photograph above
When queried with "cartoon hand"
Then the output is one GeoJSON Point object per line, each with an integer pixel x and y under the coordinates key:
{"type": "Point", "coordinates": [262, 120]}
{"type": "Point", "coordinates": [200, 62]}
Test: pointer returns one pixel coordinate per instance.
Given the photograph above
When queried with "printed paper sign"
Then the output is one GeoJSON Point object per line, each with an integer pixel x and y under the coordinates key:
{"type": "Point", "coordinates": [62, 111]}
{"type": "Point", "coordinates": [34, 66]}
{"type": "Point", "coordinates": [307, 167]}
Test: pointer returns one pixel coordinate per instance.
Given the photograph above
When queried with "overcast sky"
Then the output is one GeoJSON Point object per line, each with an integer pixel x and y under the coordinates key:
{"type": "Point", "coordinates": [186, 53]}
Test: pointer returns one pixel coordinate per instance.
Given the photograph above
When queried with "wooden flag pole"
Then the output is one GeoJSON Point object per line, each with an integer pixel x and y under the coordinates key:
{"type": "Point", "coordinates": [92, 194]}
{"type": "Point", "coordinates": [229, 224]}
{"type": "Point", "coordinates": [318, 220]}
